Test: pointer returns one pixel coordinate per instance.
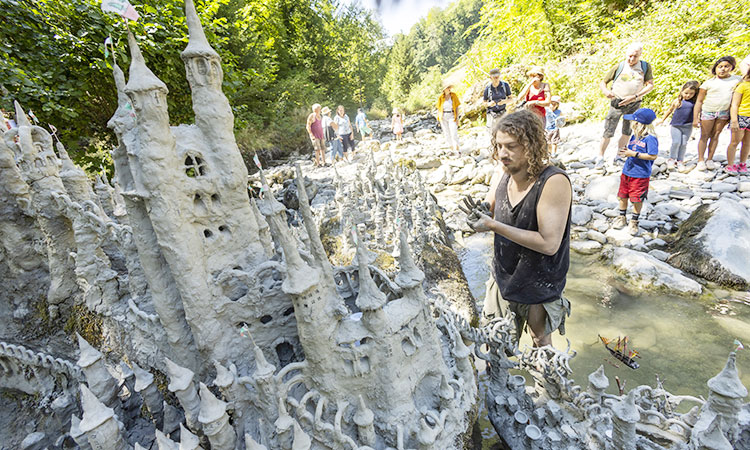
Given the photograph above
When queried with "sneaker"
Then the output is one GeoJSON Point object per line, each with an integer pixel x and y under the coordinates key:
{"type": "Point", "coordinates": [618, 161]}
{"type": "Point", "coordinates": [599, 162]}
{"type": "Point", "coordinates": [701, 166]}
{"type": "Point", "coordinates": [742, 168]}
{"type": "Point", "coordinates": [710, 164]}
{"type": "Point", "coordinates": [633, 228]}
{"type": "Point", "coordinates": [671, 164]}
{"type": "Point", "coordinates": [680, 166]}
{"type": "Point", "coordinates": [733, 169]}
{"type": "Point", "coordinates": [620, 221]}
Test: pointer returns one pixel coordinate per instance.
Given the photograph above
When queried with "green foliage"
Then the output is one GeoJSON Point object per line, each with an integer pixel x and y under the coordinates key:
{"type": "Point", "coordinates": [425, 93]}
{"type": "Point", "coordinates": [278, 56]}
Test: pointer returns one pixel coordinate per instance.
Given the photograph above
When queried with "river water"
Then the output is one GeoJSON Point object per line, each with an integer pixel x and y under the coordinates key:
{"type": "Point", "coordinates": [685, 341]}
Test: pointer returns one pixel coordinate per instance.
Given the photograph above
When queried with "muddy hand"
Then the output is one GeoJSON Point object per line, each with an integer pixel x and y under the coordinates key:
{"type": "Point", "coordinates": [475, 213]}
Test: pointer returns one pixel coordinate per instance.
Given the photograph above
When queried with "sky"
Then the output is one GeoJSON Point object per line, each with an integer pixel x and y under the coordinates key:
{"type": "Point", "coordinates": [398, 16]}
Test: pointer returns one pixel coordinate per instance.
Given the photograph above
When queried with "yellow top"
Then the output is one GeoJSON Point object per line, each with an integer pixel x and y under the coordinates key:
{"type": "Point", "coordinates": [744, 89]}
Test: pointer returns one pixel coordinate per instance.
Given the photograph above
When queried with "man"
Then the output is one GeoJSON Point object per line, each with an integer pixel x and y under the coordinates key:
{"type": "Point", "coordinates": [496, 96]}
{"type": "Point", "coordinates": [315, 130]}
{"type": "Point", "coordinates": [631, 80]}
{"type": "Point", "coordinates": [530, 207]}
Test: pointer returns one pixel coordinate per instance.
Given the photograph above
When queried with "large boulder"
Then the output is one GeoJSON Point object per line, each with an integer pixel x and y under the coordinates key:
{"type": "Point", "coordinates": [603, 188]}
{"type": "Point", "coordinates": [644, 272]}
{"type": "Point", "coordinates": [714, 243]}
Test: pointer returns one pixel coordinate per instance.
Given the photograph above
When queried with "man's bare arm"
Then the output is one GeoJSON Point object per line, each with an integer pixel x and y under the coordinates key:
{"type": "Point", "coordinates": [497, 175]}
{"type": "Point", "coordinates": [552, 215]}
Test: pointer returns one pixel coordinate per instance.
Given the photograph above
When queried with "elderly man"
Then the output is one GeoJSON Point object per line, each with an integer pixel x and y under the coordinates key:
{"type": "Point", "coordinates": [631, 80]}
{"type": "Point", "coordinates": [314, 128]}
{"type": "Point", "coordinates": [530, 207]}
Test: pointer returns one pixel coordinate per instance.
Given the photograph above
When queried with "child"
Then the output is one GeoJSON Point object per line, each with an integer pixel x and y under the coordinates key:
{"type": "Point", "coordinates": [553, 119]}
{"type": "Point", "coordinates": [636, 172]}
{"type": "Point", "coordinates": [681, 126]}
{"type": "Point", "coordinates": [739, 114]}
{"type": "Point", "coordinates": [363, 127]}
{"type": "Point", "coordinates": [712, 108]}
{"type": "Point", "coordinates": [397, 124]}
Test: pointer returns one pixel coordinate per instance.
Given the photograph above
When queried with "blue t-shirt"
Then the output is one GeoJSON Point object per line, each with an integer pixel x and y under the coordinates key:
{"type": "Point", "coordinates": [360, 120]}
{"type": "Point", "coordinates": [552, 118]}
{"type": "Point", "coordinates": [636, 167]}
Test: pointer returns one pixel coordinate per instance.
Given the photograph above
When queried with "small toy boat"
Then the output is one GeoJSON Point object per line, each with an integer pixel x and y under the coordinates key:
{"type": "Point", "coordinates": [621, 351]}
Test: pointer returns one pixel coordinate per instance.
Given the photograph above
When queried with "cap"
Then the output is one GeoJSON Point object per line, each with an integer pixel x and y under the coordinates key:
{"type": "Point", "coordinates": [642, 115]}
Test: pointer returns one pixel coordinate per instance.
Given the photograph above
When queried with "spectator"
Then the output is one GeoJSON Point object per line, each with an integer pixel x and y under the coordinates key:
{"type": "Point", "coordinates": [363, 126]}
{"type": "Point", "coordinates": [447, 107]}
{"type": "Point", "coordinates": [682, 123]}
{"type": "Point", "coordinates": [554, 120]}
{"type": "Point", "coordinates": [711, 110]}
{"type": "Point", "coordinates": [397, 124]}
{"type": "Point", "coordinates": [739, 114]}
{"type": "Point", "coordinates": [345, 132]}
{"type": "Point", "coordinates": [331, 135]}
{"type": "Point", "coordinates": [496, 96]}
{"type": "Point", "coordinates": [636, 172]}
{"type": "Point", "coordinates": [315, 130]}
{"type": "Point", "coordinates": [536, 94]}
{"type": "Point", "coordinates": [631, 80]}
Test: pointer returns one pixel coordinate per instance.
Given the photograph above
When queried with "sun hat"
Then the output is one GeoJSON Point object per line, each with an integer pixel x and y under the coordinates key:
{"type": "Point", "coordinates": [642, 115]}
{"type": "Point", "coordinates": [447, 85]}
{"type": "Point", "coordinates": [535, 70]}
{"type": "Point", "coordinates": [325, 110]}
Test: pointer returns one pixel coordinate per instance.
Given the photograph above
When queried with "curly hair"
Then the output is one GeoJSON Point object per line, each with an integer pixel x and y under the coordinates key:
{"type": "Point", "coordinates": [527, 128]}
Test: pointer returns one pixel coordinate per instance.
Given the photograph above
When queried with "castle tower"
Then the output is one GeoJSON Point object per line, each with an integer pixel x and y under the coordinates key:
{"type": "Point", "coordinates": [725, 395]}
{"type": "Point", "coordinates": [623, 422]}
{"type": "Point", "coordinates": [99, 423]}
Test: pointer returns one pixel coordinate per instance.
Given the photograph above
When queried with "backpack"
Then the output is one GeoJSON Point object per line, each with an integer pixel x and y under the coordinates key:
{"type": "Point", "coordinates": [621, 67]}
{"type": "Point", "coordinates": [505, 86]}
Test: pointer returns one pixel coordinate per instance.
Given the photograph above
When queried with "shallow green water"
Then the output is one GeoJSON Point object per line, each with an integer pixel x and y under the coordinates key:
{"type": "Point", "coordinates": [685, 341]}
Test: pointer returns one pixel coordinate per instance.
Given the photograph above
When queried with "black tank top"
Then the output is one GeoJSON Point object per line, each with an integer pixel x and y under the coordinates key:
{"type": "Point", "coordinates": [524, 275]}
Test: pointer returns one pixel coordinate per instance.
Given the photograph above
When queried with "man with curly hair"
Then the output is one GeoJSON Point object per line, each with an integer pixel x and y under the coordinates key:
{"type": "Point", "coordinates": [530, 205]}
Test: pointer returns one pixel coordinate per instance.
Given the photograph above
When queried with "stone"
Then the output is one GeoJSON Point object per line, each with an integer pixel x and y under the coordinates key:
{"type": "Point", "coordinates": [581, 214]}
{"type": "Point", "coordinates": [597, 236]}
{"type": "Point", "coordinates": [647, 224]}
{"type": "Point", "coordinates": [723, 187]}
{"type": "Point", "coordinates": [586, 247]}
{"type": "Point", "coordinates": [428, 163]}
{"type": "Point", "coordinates": [744, 186]}
{"type": "Point", "coordinates": [714, 243]}
{"type": "Point", "coordinates": [645, 272]}
{"type": "Point", "coordinates": [659, 254]}
{"type": "Point", "coordinates": [667, 208]}
{"type": "Point", "coordinates": [603, 188]}
{"type": "Point", "coordinates": [618, 237]}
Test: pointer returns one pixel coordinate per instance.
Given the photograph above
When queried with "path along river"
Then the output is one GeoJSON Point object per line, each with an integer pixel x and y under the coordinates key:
{"type": "Point", "coordinates": [685, 341]}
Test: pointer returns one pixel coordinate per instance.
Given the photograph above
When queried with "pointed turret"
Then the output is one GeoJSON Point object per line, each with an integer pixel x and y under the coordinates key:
{"type": "Point", "coordinates": [727, 382]}
{"type": "Point", "coordinates": [213, 416]}
{"type": "Point", "coordinates": [197, 43]}
{"type": "Point", "coordinates": [141, 78]}
{"type": "Point", "coordinates": [21, 119]}
{"type": "Point", "coordinates": [163, 442]}
{"type": "Point", "coordinates": [188, 441]}
{"type": "Point", "coordinates": [252, 444]}
{"type": "Point", "coordinates": [262, 367]}
{"type": "Point", "coordinates": [99, 423]}
{"type": "Point", "coordinates": [370, 298]}
{"type": "Point", "coordinates": [321, 258]}
{"type": "Point", "coordinates": [181, 383]}
{"type": "Point", "coordinates": [301, 440]}
{"type": "Point", "coordinates": [364, 418]}
{"type": "Point", "coordinates": [598, 383]}
{"type": "Point", "coordinates": [409, 275]}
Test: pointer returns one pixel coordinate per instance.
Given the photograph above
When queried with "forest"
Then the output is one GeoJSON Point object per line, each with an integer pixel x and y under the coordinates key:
{"type": "Point", "coordinates": [280, 56]}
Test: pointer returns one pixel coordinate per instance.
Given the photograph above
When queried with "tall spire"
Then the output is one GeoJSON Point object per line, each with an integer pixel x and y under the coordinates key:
{"type": "Point", "coordinates": [727, 382]}
{"type": "Point", "coordinates": [141, 78]}
{"type": "Point", "coordinates": [312, 231]}
{"type": "Point", "coordinates": [197, 43]}
{"type": "Point", "coordinates": [370, 297]}
{"type": "Point", "coordinates": [21, 119]}
{"type": "Point", "coordinates": [119, 76]}
{"type": "Point", "coordinates": [409, 276]}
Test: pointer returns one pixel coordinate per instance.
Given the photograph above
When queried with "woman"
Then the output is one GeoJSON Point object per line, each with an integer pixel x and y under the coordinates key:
{"type": "Point", "coordinates": [344, 129]}
{"type": "Point", "coordinates": [536, 95]}
{"type": "Point", "coordinates": [397, 124]}
{"type": "Point", "coordinates": [447, 115]}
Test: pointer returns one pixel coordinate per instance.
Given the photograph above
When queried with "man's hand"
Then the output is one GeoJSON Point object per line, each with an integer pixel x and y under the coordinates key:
{"type": "Point", "coordinates": [628, 100]}
{"type": "Point", "coordinates": [477, 214]}
{"type": "Point", "coordinates": [610, 94]}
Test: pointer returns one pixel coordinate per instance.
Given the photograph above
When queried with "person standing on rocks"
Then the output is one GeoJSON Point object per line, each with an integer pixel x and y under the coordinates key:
{"type": "Point", "coordinates": [397, 124]}
{"type": "Point", "coordinates": [682, 123]}
{"type": "Point", "coordinates": [315, 130]}
{"type": "Point", "coordinates": [447, 115]}
{"type": "Point", "coordinates": [496, 96]}
{"type": "Point", "coordinates": [363, 127]}
{"type": "Point", "coordinates": [739, 123]}
{"type": "Point", "coordinates": [631, 80]}
{"type": "Point", "coordinates": [536, 94]}
{"type": "Point", "coordinates": [711, 110]}
{"type": "Point", "coordinates": [332, 137]}
{"type": "Point", "coordinates": [344, 129]}
{"type": "Point", "coordinates": [530, 207]}
{"type": "Point", "coordinates": [636, 172]}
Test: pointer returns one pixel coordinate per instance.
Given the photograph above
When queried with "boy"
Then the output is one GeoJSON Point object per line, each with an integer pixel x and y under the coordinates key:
{"type": "Point", "coordinates": [636, 172]}
{"type": "Point", "coordinates": [554, 120]}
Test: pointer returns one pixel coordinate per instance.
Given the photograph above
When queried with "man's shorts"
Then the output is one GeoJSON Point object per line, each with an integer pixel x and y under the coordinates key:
{"type": "Point", "coordinates": [634, 189]}
{"type": "Point", "coordinates": [744, 122]}
{"type": "Point", "coordinates": [613, 117]}
{"type": "Point", "coordinates": [318, 144]}
{"type": "Point", "coordinates": [496, 306]}
{"type": "Point", "coordinates": [337, 148]}
{"type": "Point", "coordinates": [714, 115]}
{"type": "Point", "coordinates": [553, 136]}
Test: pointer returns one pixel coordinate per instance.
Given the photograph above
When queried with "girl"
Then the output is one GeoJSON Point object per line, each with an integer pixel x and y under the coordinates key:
{"type": "Point", "coordinates": [397, 124]}
{"type": "Point", "coordinates": [447, 115]}
{"type": "Point", "coordinates": [711, 110]}
{"type": "Point", "coordinates": [682, 123]}
{"type": "Point", "coordinates": [536, 94]}
{"type": "Point", "coordinates": [345, 132]}
{"type": "Point", "coordinates": [739, 114]}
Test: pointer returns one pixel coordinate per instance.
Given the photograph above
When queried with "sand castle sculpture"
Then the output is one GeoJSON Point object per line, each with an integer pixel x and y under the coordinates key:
{"type": "Point", "coordinates": [264, 344]}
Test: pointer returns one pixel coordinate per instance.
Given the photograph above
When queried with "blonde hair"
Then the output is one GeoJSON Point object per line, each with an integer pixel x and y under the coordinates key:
{"type": "Point", "coordinates": [641, 129]}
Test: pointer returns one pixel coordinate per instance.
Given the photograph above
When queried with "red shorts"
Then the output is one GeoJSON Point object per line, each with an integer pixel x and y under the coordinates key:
{"type": "Point", "coordinates": [635, 189]}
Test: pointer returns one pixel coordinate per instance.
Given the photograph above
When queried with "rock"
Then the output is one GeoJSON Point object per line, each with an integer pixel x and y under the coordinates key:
{"type": "Point", "coordinates": [462, 175]}
{"type": "Point", "coordinates": [667, 209]}
{"type": "Point", "coordinates": [661, 255]}
{"type": "Point", "coordinates": [744, 186]}
{"type": "Point", "coordinates": [647, 224]}
{"type": "Point", "coordinates": [618, 237]}
{"type": "Point", "coordinates": [611, 213]}
{"type": "Point", "coordinates": [439, 176]}
{"type": "Point", "coordinates": [714, 243]}
{"type": "Point", "coordinates": [656, 243]}
{"type": "Point", "coordinates": [596, 236]}
{"type": "Point", "coordinates": [586, 247]}
{"type": "Point", "coordinates": [645, 272]}
{"type": "Point", "coordinates": [723, 187]}
{"type": "Point", "coordinates": [637, 242]}
{"type": "Point", "coordinates": [680, 193]}
{"type": "Point", "coordinates": [603, 188]}
{"type": "Point", "coordinates": [428, 163]}
{"type": "Point", "coordinates": [581, 214]}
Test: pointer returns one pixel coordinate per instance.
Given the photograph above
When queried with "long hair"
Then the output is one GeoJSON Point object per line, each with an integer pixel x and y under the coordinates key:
{"type": "Point", "coordinates": [527, 128]}
{"type": "Point", "coordinates": [692, 84]}
{"type": "Point", "coordinates": [641, 129]}
{"type": "Point", "coordinates": [729, 59]}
